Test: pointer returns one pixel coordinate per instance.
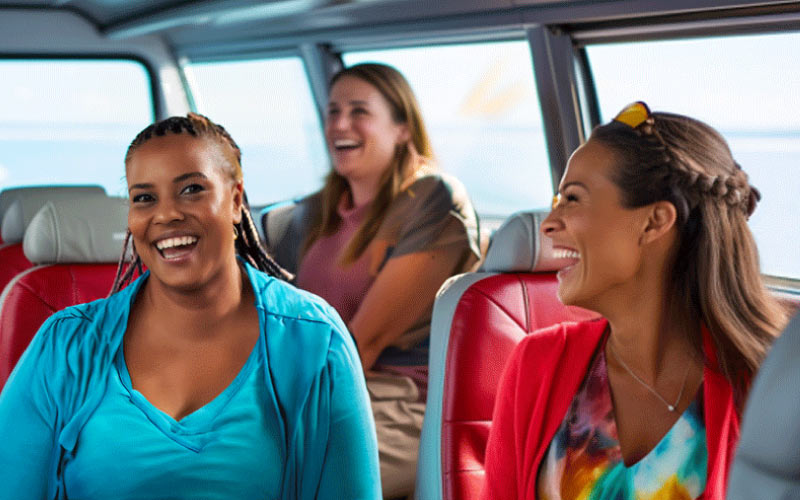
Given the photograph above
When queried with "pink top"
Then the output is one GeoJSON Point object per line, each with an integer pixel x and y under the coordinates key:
{"type": "Point", "coordinates": [320, 273]}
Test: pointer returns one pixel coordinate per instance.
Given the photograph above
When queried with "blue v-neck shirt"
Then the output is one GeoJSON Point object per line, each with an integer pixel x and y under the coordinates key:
{"type": "Point", "coordinates": [294, 423]}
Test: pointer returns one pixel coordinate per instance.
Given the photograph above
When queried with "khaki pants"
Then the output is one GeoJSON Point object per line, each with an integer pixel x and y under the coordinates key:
{"type": "Point", "coordinates": [398, 421]}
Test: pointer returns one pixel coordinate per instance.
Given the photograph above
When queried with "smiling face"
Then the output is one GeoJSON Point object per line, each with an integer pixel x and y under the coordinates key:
{"type": "Point", "coordinates": [590, 227]}
{"type": "Point", "coordinates": [360, 131]}
{"type": "Point", "coordinates": [183, 204]}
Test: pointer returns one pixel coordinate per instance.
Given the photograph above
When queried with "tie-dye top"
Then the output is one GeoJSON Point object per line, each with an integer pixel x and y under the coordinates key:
{"type": "Point", "coordinates": [584, 460]}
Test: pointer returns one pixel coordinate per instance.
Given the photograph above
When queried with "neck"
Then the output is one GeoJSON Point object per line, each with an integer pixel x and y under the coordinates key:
{"type": "Point", "coordinates": [195, 312]}
{"type": "Point", "coordinates": [363, 191]}
{"type": "Point", "coordinates": [647, 333]}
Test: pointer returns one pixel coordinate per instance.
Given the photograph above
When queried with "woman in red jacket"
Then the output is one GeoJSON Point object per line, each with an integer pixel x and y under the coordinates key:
{"type": "Point", "coordinates": [642, 404]}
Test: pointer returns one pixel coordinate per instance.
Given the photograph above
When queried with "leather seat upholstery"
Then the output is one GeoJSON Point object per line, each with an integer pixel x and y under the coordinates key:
{"type": "Point", "coordinates": [75, 245]}
{"type": "Point", "coordinates": [478, 318]}
{"type": "Point", "coordinates": [17, 208]}
{"type": "Point", "coordinates": [9, 195]}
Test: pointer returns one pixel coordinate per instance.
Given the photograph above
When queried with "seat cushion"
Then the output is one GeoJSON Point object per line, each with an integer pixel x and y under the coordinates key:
{"type": "Point", "coordinates": [39, 292]}
{"type": "Point", "coordinates": [12, 262]}
{"type": "Point", "coordinates": [492, 316]}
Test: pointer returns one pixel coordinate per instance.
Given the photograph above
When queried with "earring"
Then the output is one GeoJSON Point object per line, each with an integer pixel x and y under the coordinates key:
{"type": "Point", "coordinates": [235, 233]}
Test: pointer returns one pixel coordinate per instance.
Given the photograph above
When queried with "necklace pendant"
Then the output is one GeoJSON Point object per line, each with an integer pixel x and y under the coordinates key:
{"type": "Point", "coordinates": [671, 408]}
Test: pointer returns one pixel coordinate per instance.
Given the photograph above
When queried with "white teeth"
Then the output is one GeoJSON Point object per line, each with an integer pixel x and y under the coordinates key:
{"type": "Point", "coordinates": [345, 143]}
{"type": "Point", "coordinates": [175, 242]}
{"type": "Point", "coordinates": [563, 253]}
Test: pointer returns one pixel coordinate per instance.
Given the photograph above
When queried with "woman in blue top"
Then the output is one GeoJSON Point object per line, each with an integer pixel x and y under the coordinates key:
{"type": "Point", "coordinates": [206, 377]}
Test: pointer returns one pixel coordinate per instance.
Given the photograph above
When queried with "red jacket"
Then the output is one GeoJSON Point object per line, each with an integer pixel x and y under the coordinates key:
{"type": "Point", "coordinates": [542, 376]}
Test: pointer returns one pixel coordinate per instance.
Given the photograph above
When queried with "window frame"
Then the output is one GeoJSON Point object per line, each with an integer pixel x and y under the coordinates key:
{"type": "Point", "coordinates": [153, 85]}
{"type": "Point", "coordinates": [149, 71]}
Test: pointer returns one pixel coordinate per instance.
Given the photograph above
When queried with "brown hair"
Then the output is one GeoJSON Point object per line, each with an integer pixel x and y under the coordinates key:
{"type": "Point", "coordinates": [408, 160]}
{"type": "Point", "coordinates": [715, 274]}
{"type": "Point", "coordinates": [248, 244]}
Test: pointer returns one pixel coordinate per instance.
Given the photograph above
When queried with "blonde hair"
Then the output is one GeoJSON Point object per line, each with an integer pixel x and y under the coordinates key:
{"type": "Point", "coordinates": [408, 159]}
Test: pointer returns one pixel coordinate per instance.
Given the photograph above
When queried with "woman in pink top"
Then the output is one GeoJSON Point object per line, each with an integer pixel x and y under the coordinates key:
{"type": "Point", "coordinates": [377, 242]}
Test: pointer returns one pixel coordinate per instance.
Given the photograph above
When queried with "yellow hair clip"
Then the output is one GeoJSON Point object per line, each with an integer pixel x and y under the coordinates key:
{"type": "Point", "coordinates": [633, 114]}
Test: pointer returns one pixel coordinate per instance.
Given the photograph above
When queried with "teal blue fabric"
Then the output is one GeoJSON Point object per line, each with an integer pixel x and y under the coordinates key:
{"type": "Point", "coordinates": [294, 424]}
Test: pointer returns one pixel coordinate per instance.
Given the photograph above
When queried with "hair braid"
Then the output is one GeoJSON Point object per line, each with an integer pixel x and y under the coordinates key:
{"type": "Point", "coordinates": [733, 189]}
{"type": "Point", "coordinates": [714, 275]}
{"type": "Point", "coordinates": [127, 271]}
{"type": "Point", "coordinates": [248, 245]}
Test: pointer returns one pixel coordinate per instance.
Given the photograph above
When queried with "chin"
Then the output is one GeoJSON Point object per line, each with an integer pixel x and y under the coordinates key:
{"type": "Point", "coordinates": [565, 298]}
{"type": "Point", "coordinates": [183, 280]}
{"type": "Point", "coordinates": [343, 170]}
{"type": "Point", "coordinates": [180, 284]}
{"type": "Point", "coordinates": [571, 297]}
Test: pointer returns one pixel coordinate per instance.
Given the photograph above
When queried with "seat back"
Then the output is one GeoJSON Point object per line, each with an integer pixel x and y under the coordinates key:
{"type": "Point", "coordinates": [767, 461]}
{"type": "Point", "coordinates": [17, 208]}
{"type": "Point", "coordinates": [478, 318]}
{"type": "Point", "coordinates": [75, 245]}
{"type": "Point", "coordinates": [9, 195]}
{"type": "Point", "coordinates": [280, 227]}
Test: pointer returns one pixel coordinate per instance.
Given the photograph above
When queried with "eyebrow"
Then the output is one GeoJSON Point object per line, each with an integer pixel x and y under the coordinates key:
{"type": "Point", "coordinates": [351, 103]}
{"type": "Point", "coordinates": [573, 183]}
{"type": "Point", "coordinates": [176, 180]}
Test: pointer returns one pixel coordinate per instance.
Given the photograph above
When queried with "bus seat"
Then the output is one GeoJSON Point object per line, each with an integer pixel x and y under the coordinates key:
{"type": "Point", "coordinates": [17, 208]}
{"type": "Point", "coordinates": [275, 225]}
{"type": "Point", "coordinates": [478, 318]}
{"type": "Point", "coordinates": [767, 459]}
{"type": "Point", "coordinates": [75, 245]}
{"type": "Point", "coordinates": [9, 195]}
{"type": "Point", "coordinates": [255, 213]}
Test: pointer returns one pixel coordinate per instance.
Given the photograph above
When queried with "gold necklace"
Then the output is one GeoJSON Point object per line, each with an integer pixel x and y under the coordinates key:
{"type": "Point", "coordinates": [670, 407]}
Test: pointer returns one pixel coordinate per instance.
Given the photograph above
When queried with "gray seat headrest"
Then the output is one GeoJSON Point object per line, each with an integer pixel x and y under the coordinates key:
{"type": "Point", "coordinates": [275, 221]}
{"type": "Point", "coordinates": [519, 246]}
{"type": "Point", "coordinates": [19, 205]}
{"type": "Point", "coordinates": [90, 230]}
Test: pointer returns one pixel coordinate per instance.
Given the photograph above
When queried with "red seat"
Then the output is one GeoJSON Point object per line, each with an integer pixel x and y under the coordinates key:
{"type": "Point", "coordinates": [17, 208]}
{"type": "Point", "coordinates": [12, 262]}
{"type": "Point", "coordinates": [40, 293]}
{"type": "Point", "coordinates": [478, 318]}
{"type": "Point", "coordinates": [76, 245]}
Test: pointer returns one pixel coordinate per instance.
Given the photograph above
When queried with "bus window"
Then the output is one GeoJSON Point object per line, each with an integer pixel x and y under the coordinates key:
{"type": "Point", "coordinates": [745, 87]}
{"type": "Point", "coordinates": [480, 104]}
{"type": "Point", "coordinates": [69, 121]}
{"type": "Point", "coordinates": [267, 107]}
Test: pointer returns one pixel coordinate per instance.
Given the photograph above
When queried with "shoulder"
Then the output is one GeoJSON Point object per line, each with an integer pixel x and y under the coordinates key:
{"type": "Point", "coordinates": [78, 341]}
{"type": "Point", "coordinates": [303, 325]}
{"type": "Point", "coordinates": [431, 198]}
{"type": "Point", "coordinates": [305, 339]}
{"type": "Point", "coordinates": [549, 345]}
{"type": "Point", "coordinates": [279, 298]}
{"type": "Point", "coordinates": [440, 187]}
{"type": "Point", "coordinates": [84, 326]}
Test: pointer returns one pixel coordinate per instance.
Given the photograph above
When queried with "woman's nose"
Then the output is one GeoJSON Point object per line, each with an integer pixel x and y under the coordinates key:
{"type": "Point", "coordinates": [168, 211]}
{"type": "Point", "coordinates": [550, 224]}
{"type": "Point", "coordinates": [338, 122]}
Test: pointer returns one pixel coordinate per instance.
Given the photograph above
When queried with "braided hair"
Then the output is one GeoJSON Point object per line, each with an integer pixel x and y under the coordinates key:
{"type": "Point", "coordinates": [715, 274]}
{"type": "Point", "coordinates": [248, 244]}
